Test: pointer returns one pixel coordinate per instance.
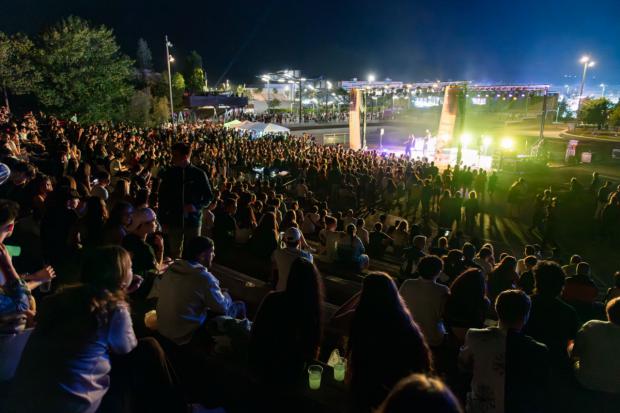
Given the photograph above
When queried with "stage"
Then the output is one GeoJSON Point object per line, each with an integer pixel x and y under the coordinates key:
{"type": "Point", "coordinates": [427, 149]}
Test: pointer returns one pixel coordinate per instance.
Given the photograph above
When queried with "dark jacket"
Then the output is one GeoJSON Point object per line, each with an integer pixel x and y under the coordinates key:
{"type": "Point", "coordinates": [181, 186]}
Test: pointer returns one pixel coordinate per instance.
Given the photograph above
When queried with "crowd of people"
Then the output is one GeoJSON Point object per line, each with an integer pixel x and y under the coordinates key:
{"type": "Point", "coordinates": [125, 226]}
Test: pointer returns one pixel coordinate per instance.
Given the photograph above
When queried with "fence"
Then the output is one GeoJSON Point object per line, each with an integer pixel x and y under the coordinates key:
{"type": "Point", "coordinates": [336, 139]}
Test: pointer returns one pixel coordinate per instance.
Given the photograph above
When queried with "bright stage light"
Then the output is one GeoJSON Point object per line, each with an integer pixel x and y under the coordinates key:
{"type": "Point", "coordinates": [465, 139]}
{"type": "Point", "coordinates": [487, 141]}
{"type": "Point", "coordinates": [507, 143]}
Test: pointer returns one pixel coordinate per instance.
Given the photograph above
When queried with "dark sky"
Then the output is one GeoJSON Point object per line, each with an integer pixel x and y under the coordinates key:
{"type": "Point", "coordinates": [481, 40]}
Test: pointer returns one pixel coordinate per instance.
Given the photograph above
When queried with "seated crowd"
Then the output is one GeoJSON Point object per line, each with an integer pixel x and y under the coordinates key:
{"type": "Point", "coordinates": [135, 235]}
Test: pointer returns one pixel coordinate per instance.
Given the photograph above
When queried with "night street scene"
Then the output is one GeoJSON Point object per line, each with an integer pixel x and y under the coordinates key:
{"type": "Point", "coordinates": [407, 206]}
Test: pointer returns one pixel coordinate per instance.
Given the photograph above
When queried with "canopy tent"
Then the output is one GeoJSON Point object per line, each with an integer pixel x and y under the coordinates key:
{"type": "Point", "coordinates": [260, 128]}
{"type": "Point", "coordinates": [232, 123]}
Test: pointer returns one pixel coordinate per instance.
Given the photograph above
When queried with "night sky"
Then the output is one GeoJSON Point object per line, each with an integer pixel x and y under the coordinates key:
{"type": "Point", "coordinates": [481, 40]}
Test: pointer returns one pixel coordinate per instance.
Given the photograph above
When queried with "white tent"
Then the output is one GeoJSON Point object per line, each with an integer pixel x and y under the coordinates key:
{"type": "Point", "coordinates": [275, 128]}
{"type": "Point", "coordinates": [260, 128]}
{"type": "Point", "coordinates": [232, 123]}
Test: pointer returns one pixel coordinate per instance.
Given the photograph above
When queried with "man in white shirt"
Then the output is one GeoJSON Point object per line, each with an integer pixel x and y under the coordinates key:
{"type": "Point", "coordinates": [100, 189]}
{"type": "Point", "coordinates": [188, 290]}
{"type": "Point", "coordinates": [426, 299]}
{"type": "Point", "coordinates": [329, 238]}
{"type": "Point", "coordinates": [596, 349]}
{"type": "Point", "coordinates": [283, 258]}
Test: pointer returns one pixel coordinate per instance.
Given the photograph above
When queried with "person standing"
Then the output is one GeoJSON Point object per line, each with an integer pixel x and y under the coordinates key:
{"type": "Point", "coordinates": [184, 191]}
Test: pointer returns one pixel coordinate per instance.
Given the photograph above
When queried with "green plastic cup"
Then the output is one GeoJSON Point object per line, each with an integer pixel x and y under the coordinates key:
{"type": "Point", "coordinates": [314, 376]}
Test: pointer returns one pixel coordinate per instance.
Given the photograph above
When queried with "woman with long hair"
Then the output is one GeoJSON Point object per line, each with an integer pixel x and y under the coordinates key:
{"type": "Point", "coordinates": [116, 227]}
{"type": "Point", "coordinates": [467, 303]}
{"type": "Point", "coordinates": [351, 250]}
{"type": "Point", "coordinates": [385, 344]}
{"type": "Point", "coordinates": [67, 361]}
{"type": "Point", "coordinates": [503, 277]}
{"type": "Point", "coordinates": [453, 264]}
{"type": "Point", "coordinates": [91, 225]}
{"type": "Point", "coordinates": [82, 179]}
{"type": "Point", "coordinates": [288, 328]}
{"type": "Point", "coordinates": [265, 238]}
{"type": "Point", "coordinates": [245, 218]}
{"type": "Point", "coordinates": [38, 190]}
{"type": "Point", "coordinates": [121, 193]}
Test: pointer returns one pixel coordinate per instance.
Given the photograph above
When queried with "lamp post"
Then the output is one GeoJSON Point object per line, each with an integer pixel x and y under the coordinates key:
{"type": "Point", "coordinates": [587, 62]}
{"type": "Point", "coordinates": [169, 59]}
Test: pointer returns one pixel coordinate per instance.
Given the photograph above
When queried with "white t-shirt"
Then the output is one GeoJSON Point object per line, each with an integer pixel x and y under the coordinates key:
{"type": "Point", "coordinates": [309, 224]}
{"type": "Point", "coordinates": [284, 258]}
{"type": "Point", "coordinates": [596, 346]}
{"type": "Point", "coordinates": [426, 300]}
{"type": "Point", "coordinates": [100, 191]}
{"type": "Point", "coordinates": [485, 352]}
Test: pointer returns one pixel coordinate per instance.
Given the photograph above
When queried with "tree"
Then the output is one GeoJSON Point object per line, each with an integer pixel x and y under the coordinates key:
{"type": "Point", "coordinates": [614, 116]}
{"type": "Point", "coordinates": [196, 82]}
{"type": "Point", "coordinates": [595, 112]}
{"type": "Point", "coordinates": [18, 73]}
{"type": "Point", "coordinates": [83, 71]}
{"type": "Point", "coordinates": [273, 103]}
{"type": "Point", "coordinates": [139, 109]}
{"type": "Point", "coordinates": [564, 112]}
{"type": "Point", "coordinates": [194, 61]}
{"type": "Point", "coordinates": [178, 88]}
{"type": "Point", "coordinates": [144, 56]}
{"type": "Point", "coordinates": [161, 110]}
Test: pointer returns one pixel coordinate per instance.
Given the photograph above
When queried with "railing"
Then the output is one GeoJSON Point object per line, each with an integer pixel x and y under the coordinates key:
{"type": "Point", "coordinates": [336, 139]}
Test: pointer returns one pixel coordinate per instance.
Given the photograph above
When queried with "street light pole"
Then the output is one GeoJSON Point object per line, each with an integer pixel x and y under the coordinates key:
{"type": "Point", "coordinates": [586, 63]}
{"type": "Point", "coordinates": [300, 95]}
{"type": "Point", "coordinates": [168, 46]}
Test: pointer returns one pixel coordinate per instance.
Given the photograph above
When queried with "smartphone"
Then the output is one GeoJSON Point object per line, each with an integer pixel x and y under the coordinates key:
{"type": "Point", "coordinates": [14, 250]}
{"type": "Point", "coordinates": [446, 234]}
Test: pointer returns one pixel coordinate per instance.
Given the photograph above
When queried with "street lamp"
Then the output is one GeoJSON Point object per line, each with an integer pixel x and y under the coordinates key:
{"type": "Point", "coordinates": [587, 62]}
{"type": "Point", "coordinates": [169, 59]}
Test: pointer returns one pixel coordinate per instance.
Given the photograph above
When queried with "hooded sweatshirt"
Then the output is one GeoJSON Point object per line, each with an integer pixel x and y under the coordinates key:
{"type": "Point", "coordinates": [186, 291]}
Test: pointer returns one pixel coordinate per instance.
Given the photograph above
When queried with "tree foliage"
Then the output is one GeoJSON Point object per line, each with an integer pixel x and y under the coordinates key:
{"type": "Point", "coordinates": [18, 73]}
{"type": "Point", "coordinates": [83, 71]}
{"type": "Point", "coordinates": [178, 88]}
{"type": "Point", "coordinates": [614, 116]}
{"type": "Point", "coordinates": [564, 111]}
{"type": "Point", "coordinates": [196, 82]}
{"type": "Point", "coordinates": [144, 58]}
{"type": "Point", "coordinates": [161, 110]}
{"type": "Point", "coordinates": [139, 109]}
{"type": "Point", "coordinates": [273, 103]}
{"type": "Point", "coordinates": [595, 111]}
{"type": "Point", "coordinates": [194, 61]}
